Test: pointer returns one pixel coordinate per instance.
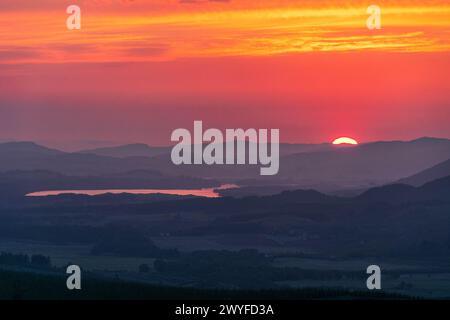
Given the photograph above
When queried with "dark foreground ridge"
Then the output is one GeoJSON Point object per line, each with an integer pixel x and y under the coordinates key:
{"type": "Point", "coordinates": [32, 286]}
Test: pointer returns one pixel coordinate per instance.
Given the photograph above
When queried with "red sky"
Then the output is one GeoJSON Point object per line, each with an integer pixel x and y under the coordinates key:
{"type": "Point", "coordinates": [139, 69]}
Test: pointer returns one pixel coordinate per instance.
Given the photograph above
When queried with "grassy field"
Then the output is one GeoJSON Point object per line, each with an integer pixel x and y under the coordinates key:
{"type": "Point", "coordinates": [76, 254]}
{"type": "Point", "coordinates": [32, 286]}
{"type": "Point", "coordinates": [416, 278]}
{"type": "Point", "coordinates": [348, 265]}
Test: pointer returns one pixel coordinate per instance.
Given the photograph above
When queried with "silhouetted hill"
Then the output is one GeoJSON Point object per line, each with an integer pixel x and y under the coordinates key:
{"type": "Point", "coordinates": [301, 196]}
{"type": "Point", "coordinates": [331, 168]}
{"type": "Point", "coordinates": [128, 243]}
{"type": "Point", "coordinates": [367, 164]}
{"type": "Point", "coordinates": [129, 150]}
{"type": "Point", "coordinates": [389, 193]}
{"type": "Point", "coordinates": [438, 171]}
{"type": "Point", "coordinates": [30, 156]}
{"type": "Point", "coordinates": [393, 220]}
{"type": "Point", "coordinates": [294, 148]}
{"type": "Point", "coordinates": [437, 190]}
{"type": "Point", "coordinates": [25, 149]}
{"type": "Point", "coordinates": [249, 191]}
{"type": "Point", "coordinates": [321, 167]}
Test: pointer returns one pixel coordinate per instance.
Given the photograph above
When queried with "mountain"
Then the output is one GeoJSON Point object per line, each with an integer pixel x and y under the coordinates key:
{"type": "Point", "coordinates": [437, 190]}
{"type": "Point", "coordinates": [367, 165]}
{"type": "Point", "coordinates": [328, 167]}
{"type": "Point", "coordinates": [25, 149]}
{"type": "Point", "coordinates": [28, 156]}
{"type": "Point", "coordinates": [322, 167]}
{"type": "Point", "coordinates": [389, 194]}
{"type": "Point", "coordinates": [394, 220]}
{"type": "Point", "coordinates": [438, 171]}
{"type": "Point", "coordinates": [129, 150]}
{"type": "Point", "coordinates": [295, 148]}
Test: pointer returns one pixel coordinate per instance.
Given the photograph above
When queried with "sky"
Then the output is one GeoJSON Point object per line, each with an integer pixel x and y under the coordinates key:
{"type": "Point", "coordinates": [137, 70]}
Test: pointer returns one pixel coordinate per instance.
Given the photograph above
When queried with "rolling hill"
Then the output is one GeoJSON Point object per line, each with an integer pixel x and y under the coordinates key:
{"type": "Point", "coordinates": [322, 167]}
{"type": "Point", "coordinates": [436, 190]}
{"type": "Point", "coordinates": [438, 171]}
{"type": "Point", "coordinates": [129, 150]}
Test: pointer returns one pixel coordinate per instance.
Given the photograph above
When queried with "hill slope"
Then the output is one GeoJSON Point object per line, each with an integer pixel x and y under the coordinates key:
{"type": "Point", "coordinates": [438, 171]}
{"type": "Point", "coordinates": [129, 150]}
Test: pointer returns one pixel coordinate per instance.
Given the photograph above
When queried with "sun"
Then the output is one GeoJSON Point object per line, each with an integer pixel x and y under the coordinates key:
{"type": "Point", "coordinates": [345, 140]}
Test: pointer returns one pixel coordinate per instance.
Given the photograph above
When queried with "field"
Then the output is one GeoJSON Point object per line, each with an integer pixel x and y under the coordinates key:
{"type": "Point", "coordinates": [413, 278]}
{"type": "Point", "coordinates": [76, 254]}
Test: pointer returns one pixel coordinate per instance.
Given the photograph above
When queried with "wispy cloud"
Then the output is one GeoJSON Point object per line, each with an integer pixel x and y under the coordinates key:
{"type": "Point", "coordinates": [216, 28]}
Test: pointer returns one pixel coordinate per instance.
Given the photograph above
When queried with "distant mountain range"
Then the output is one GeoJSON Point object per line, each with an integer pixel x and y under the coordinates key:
{"type": "Point", "coordinates": [436, 190]}
{"type": "Point", "coordinates": [365, 165]}
{"type": "Point", "coordinates": [129, 150]}
{"type": "Point", "coordinates": [323, 167]}
{"type": "Point", "coordinates": [393, 220]}
{"type": "Point", "coordinates": [438, 171]}
{"type": "Point", "coordinates": [143, 150]}
{"type": "Point", "coordinates": [26, 149]}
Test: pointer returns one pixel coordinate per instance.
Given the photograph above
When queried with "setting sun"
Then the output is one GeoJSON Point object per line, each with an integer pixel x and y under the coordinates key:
{"type": "Point", "coordinates": [345, 140]}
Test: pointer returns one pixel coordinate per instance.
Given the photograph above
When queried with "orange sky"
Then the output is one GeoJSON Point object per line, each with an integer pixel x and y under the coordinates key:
{"type": "Point", "coordinates": [166, 29]}
{"type": "Point", "coordinates": [139, 69]}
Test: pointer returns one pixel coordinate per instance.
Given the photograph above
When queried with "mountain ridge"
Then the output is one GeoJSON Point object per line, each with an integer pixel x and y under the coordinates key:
{"type": "Point", "coordinates": [435, 172]}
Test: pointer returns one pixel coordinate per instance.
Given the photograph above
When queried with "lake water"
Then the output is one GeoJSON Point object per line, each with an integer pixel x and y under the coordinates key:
{"type": "Point", "coordinates": [205, 192]}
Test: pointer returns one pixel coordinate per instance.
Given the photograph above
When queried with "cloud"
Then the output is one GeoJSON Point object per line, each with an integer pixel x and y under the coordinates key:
{"type": "Point", "coordinates": [216, 31]}
{"type": "Point", "coordinates": [18, 53]}
{"type": "Point", "coordinates": [203, 1]}
{"type": "Point", "coordinates": [149, 51]}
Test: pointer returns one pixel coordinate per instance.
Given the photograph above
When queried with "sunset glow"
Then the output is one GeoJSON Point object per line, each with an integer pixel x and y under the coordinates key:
{"type": "Point", "coordinates": [138, 69]}
{"type": "Point", "coordinates": [163, 30]}
{"type": "Point", "coordinates": [345, 140]}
